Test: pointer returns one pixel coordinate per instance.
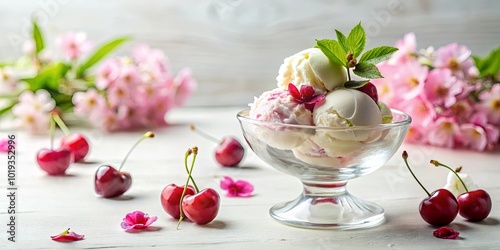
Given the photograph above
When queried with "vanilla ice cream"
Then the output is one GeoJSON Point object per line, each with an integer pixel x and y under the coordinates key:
{"type": "Point", "coordinates": [344, 108]}
{"type": "Point", "coordinates": [311, 67]}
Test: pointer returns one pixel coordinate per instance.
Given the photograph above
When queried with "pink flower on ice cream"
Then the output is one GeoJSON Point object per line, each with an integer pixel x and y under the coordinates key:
{"type": "Point", "coordinates": [441, 87]}
{"type": "Point", "coordinates": [74, 44]}
{"type": "Point", "coordinates": [137, 220]}
{"type": "Point", "coordinates": [239, 188]}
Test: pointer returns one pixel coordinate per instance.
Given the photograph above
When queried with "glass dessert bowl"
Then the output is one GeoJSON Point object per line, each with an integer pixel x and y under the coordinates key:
{"type": "Point", "coordinates": [325, 159]}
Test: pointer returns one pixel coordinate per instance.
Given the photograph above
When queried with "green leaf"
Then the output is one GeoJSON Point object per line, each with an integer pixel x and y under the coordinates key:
{"type": "Point", "coordinates": [355, 84]}
{"type": "Point", "coordinates": [490, 65]}
{"type": "Point", "coordinates": [99, 54]}
{"type": "Point", "coordinates": [333, 51]}
{"type": "Point", "coordinates": [48, 78]}
{"type": "Point", "coordinates": [377, 54]}
{"type": "Point", "coordinates": [38, 38]}
{"type": "Point", "coordinates": [6, 109]}
{"type": "Point", "coordinates": [357, 40]}
{"type": "Point", "coordinates": [367, 70]}
{"type": "Point", "coordinates": [343, 41]}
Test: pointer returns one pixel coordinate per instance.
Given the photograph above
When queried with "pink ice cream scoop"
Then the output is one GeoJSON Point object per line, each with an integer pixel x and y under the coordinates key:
{"type": "Point", "coordinates": [277, 107]}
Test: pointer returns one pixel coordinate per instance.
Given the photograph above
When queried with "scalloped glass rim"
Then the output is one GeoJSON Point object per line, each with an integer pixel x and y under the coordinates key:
{"type": "Point", "coordinates": [405, 120]}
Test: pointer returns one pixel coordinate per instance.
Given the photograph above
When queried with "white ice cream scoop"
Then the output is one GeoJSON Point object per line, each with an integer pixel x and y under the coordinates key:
{"type": "Point", "coordinates": [311, 67]}
{"type": "Point", "coordinates": [346, 108]}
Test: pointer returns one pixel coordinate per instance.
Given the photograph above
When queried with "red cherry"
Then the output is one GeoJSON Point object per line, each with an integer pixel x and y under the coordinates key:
{"type": "Point", "coordinates": [77, 144]}
{"type": "Point", "coordinates": [229, 152]}
{"type": "Point", "coordinates": [440, 208]}
{"type": "Point", "coordinates": [474, 205]}
{"type": "Point", "coordinates": [170, 199]}
{"type": "Point", "coordinates": [54, 162]}
{"type": "Point", "coordinates": [110, 182]}
{"type": "Point", "coordinates": [202, 207]}
{"type": "Point", "coordinates": [370, 90]}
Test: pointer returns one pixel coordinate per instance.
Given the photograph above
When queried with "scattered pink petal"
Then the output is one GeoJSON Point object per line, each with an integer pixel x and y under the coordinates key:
{"type": "Point", "coordinates": [238, 188]}
{"type": "Point", "coordinates": [137, 220]}
{"type": "Point", "coordinates": [445, 233]}
{"type": "Point", "coordinates": [4, 145]}
{"type": "Point", "coordinates": [67, 236]}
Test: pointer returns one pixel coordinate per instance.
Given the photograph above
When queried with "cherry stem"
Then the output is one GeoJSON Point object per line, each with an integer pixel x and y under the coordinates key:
{"type": "Point", "coordinates": [194, 152]}
{"type": "Point", "coordinates": [52, 130]}
{"type": "Point", "coordinates": [405, 158]}
{"type": "Point", "coordinates": [203, 134]}
{"type": "Point", "coordinates": [61, 123]}
{"type": "Point", "coordinates": [348, 73]}
{"type": "Point", "coordinates": [188, 172]}
{"type": "Point", "coordinates": [437, 164]}
{"type": "Point", "coordinates": [146, 135]}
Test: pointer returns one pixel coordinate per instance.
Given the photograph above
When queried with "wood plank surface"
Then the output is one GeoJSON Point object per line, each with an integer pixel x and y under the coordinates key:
{"type": "Point", "coordinates": [48, 205]}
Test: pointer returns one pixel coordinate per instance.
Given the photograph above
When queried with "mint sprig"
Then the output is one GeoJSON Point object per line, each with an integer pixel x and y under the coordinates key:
{"type": "Point", "coordinates": [346, 51]}
{"type": "Point", "coordinates": [489, 65]}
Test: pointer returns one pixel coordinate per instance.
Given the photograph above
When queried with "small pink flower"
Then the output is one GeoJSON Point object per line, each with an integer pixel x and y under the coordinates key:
{"type": "Point", "coordinates": [443, 132]}
{"type": "Point", "coordinates": [137, 220]}
{"type": "Point", "coordinates": [32, 111]}
{"type": "Point", "coordinates": [238, 188]}
{"type": "Point", "coordinates": [490, 104]}
{"type": "Point", "coordinates": [4, 145]}
{"type": "Point", "coordinates": [90, 102]}
{"type": "Point", "coordinates": [456, 58]}
{"type": "Point", "coordinates": [406, 49]}
{"type": "Point", "coordinates": [441, 87]}
{"type": "Point", "coordinates": [415, 134]}
{"type": "Point", "coordinates": [409, 79]}
{"type": "Point", "coordinates": [420, 109]}
{"type": "Point", "coordinates": [445, 233]}
{"type": "Point", "coordinates": [107, 73]}
{"type": "Point", "coordinates": [184, 85]}
{"type": "Point", "coordinates": [473, 136]}
{"type": "Point", "coordinates": [67, 236]}
{"type": "Point", "coordinates": [74, 44]}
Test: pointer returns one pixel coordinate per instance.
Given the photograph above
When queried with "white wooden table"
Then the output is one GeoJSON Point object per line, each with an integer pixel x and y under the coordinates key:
{"type": "Point", "coordinates": [48, 205]}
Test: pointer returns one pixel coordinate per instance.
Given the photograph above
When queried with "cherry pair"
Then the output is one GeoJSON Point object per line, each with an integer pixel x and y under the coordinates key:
{"type": "Point", "coordinates": [73, 148]}
{"type": "Point", "coordinates": [201, 207]}
{"type": "Point", "coordinates": [441, 207]}
{"type": "Point", "coordinates": [109, 182]}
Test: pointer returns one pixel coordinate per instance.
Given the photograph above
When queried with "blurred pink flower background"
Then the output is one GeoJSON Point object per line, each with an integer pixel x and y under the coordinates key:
{"type": "Point", "coordinates": [118, 93]}
{"type": "Point", "coordinates": [441, 90]}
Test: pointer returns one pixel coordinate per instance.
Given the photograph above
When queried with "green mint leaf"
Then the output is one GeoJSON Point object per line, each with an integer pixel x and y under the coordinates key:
{"type": "Point", "coordinates": [333, 51]}
{"type": "Point", "coordinates": [357, 40]}
{"type": "Point", "coordinates": [343, 41]}
{"type": "Point", "coordinates": [355, 84]}
{"type": "Point", "coordinates": [38, 38]}
{"type": "Point", "coordinates": [377, 54]}
{"type": "Point", "coordinates": [99, 54]}
{"type": "Point", "coordinates": [367, 70]}
{"type": "Point", "coordinates": [490, 65]}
